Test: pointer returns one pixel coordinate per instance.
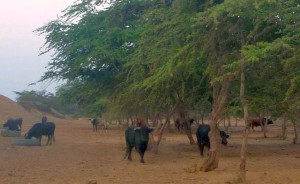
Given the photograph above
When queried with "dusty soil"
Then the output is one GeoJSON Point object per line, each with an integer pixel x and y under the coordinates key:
{"type": "Point", "coordinates": [80, 155]}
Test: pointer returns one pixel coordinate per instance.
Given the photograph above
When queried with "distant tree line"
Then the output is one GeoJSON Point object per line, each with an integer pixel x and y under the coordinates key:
{"type": "Point", "coordinates": [45, 102]}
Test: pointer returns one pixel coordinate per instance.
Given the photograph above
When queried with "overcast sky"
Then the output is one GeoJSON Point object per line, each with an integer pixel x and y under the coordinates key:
{"type": "Point", "coordinates": [19, 45]}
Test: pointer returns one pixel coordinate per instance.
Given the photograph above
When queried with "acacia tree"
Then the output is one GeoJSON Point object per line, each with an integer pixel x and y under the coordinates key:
{"type": "Point", "coordinates": [291, 15]}
{"type": "Point", "coordinates": [215, 43]}
{"type": "Point", "coordinates": [262, 51]}
{"type": "Point", "coordinates": [92, 49]}
{"type": "Point", "coordinates": [162, 66]}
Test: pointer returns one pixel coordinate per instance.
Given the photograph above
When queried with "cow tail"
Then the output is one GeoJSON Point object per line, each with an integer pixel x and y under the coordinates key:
{"type": "Point", "coordinates": [126, 154]}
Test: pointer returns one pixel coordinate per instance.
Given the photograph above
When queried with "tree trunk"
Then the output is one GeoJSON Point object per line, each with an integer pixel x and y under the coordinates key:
{"type": "Point", "coordinates": [202, 118]}
{"type": "Point", "coordinates": [155, 143]}
{"type": "Point", "coordinates": [242, 172]}
{"type": "Point", "coordinates": [187, 128]}
{"type": "Point", "coordinates": [169, 128]}
{"type": "Point", "coordinates": [283, 126]}
{"type": "Point", "coordinates": [296, 133]}
{"type": "Point", "coordinates": [229, 122]}
{"type": "Point", "coordinates": [263, 125]}
{"type": "Point", "coordinates": [188, 132]}
{"type": "Point", "coordinates": [224, 123]}
{"type": "Point", "coordinates": [220, 94]}
{"type": "Point", "coordinates": [212, 161]}
{"type": "Point", "coordinates": [132, 121]}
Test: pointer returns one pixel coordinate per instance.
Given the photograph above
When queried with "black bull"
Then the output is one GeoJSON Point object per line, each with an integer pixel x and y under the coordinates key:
{"type": "Point", "coordinates": [254, 122]}
{"type": "Point", "coordinates": [40, 129]}
{"type": "Point", "coordinates": [203, 139]}
{"type": "Point", "coordinates": [14, 124]}
{"type": "Point", "coordinates": [137, 137]}
{"type": "Point", "coordinates": [185, 124]}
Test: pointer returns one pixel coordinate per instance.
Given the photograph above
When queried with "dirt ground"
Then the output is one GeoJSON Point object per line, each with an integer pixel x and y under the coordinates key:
{"type": "Point", "coordinates": [80, 155]}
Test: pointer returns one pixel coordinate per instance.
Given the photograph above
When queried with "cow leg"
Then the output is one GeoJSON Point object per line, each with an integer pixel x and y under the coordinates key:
{"type": "Point", "coordinates": [48, 136]}
{"type": "Point", "coordinates": [52, 138]}
{"type": "Point", "coordinates": [102, 129]}
{"type": "Point", "coordinates": [201, 149]}
{"type": "Point", "coordinates": [129, 148]}
{"type": "Point", "coordinates": [142, 157]}
{"type": "Point", "coordinates": [252, 126]}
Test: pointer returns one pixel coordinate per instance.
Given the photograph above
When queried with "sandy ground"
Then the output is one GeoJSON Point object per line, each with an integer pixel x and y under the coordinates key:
{"type": "Point", "coordinates": [80, 155]}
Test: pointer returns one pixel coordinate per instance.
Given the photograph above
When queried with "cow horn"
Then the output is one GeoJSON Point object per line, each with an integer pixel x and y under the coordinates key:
{"type": "Point", "coordinates": [137, 128]}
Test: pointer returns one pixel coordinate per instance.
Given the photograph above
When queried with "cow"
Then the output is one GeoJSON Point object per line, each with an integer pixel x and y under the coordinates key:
{"type": "Point", "coordinates": [180, 125]}
{"type": "Point", "coordinates": [98, 123]}
{"type": "Point", "coordinates": [254, 122]}
{"type": "Point", "coordinates": [138, 138]}
{"type": "Point", "coordinates": [14, 124]}
{"type": "Point", "coordinates": [203, 139]}
{"type": "Point", "coordinates": [40, 129]}
{"type": "Point", "coordinates": [95, 123]}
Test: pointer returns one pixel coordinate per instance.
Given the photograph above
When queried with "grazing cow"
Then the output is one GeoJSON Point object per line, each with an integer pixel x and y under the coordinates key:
{"type": "Point", "coordinates": [137, 137]}
{"type": "Point", "coordinates": [14, 124]}
{"type": "Point", "coordinates": [40, 129]}
{"type": "Point", "coordinates": [180, 125]}
{"type": "Point", "coordinates": [203, 139]}
{"type": "Point", "coordinates": [254, 122]}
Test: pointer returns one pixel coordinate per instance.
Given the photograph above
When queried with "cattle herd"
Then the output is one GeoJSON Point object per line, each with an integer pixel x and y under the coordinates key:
{"type": "Point", "coordinates": [138, 136]}
{"type": "Point", "coordinates": [135, 136]}
{"type": "Point", "coordinates": [43, 128]}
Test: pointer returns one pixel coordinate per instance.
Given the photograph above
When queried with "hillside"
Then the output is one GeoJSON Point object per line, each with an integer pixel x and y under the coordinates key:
{"type": "Point", "coordinates": [11, 109]}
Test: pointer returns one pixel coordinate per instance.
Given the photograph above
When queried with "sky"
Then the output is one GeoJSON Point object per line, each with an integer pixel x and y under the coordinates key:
{"type": "Point", "coordinates": [20, 63]}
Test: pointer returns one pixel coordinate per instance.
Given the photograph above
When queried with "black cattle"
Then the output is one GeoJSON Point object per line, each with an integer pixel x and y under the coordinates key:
{"type": "Point", "coordinates": [14, 124]}
{"type": "Point", "coordinates": [181, 125]}
{"type": "Point", "coordinates": [137, 137]}
{"type": "Point", "coordinates": [95, 123]}
{"type": "Point", "coordinates": [40, 129]}
{"type": "Point", "coordinates": [203, 139]}
{"type": "Point", "coordinates": [254, 122]}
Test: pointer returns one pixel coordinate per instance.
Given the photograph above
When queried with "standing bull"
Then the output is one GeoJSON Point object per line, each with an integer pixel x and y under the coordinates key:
{"type": "Point", "coordinates": [137, 137]}
{"type": "Point", "coordinates": [181, 125]}
{"type": "Point", "coordinates": [40, 129]}
{"type": "Point", "coordinates": [95, 123]}
{"type": "Point", "coordinates": [98, 122]}
{"type": "Point", "coordinates": [14, 124]}
{"type": "Point", "coordinates": [203, 139]}
{"type": "Point", "coordinates": [254, 122]}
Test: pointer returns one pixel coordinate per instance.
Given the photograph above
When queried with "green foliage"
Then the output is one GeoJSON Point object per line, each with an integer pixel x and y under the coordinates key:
{"type": "Point", "coordinates": [141, 57]}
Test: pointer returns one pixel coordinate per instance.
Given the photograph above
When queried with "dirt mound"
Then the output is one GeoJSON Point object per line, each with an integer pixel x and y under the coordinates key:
{"type": "Point", "coordinates": [11, 109]}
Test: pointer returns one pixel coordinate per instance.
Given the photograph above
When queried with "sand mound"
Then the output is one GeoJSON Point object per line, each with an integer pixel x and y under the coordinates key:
{"type": "Point", "coordinates": [11, 109]}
